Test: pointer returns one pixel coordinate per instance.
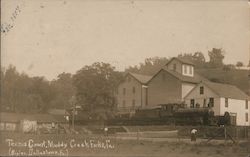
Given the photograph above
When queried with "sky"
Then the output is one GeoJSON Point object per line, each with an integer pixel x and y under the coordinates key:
{"type": "Point", "coordinates": [48, 37]}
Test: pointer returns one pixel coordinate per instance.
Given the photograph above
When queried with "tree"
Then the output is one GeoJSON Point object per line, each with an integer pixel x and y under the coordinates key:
{"type": "Point", "coordinates": [21, 93]}
{"type": "Point", "coordinates": [41, 87]}
{"type": "Point", "coordinates": [149, 67]}
{"type": "Point", "coordinates": [95, 86]}
{"type": "Point", "coordinates": [239, 64]}
{"type": "Point", "coordinates": [197, 58]}
{"type": "Point", "coordinates": [216, 58]}
{"type": "Point", "coordinates": [64, 89]}
{"type": "Point", "coordinates": [8, 88]}
{"type": "Point", "coordinates": [228, 67]}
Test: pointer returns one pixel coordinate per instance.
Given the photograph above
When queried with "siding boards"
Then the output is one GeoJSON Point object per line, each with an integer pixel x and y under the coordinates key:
{"type": "Point", "coordinates": [164, 88]}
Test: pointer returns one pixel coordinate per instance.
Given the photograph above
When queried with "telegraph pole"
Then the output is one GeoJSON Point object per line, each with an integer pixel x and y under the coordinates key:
{"type": "Point", "coordinates": [73, 103]}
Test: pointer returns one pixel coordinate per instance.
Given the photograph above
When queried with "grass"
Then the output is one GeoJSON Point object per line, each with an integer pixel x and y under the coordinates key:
{"type": "Point", "coordinates": [136, 148]}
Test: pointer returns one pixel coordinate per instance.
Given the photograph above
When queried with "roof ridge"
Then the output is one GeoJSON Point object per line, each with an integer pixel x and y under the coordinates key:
{"type": "Point", "coordinates": [139, 74]}
{"type": "Point", "coordinates": [234, 88]}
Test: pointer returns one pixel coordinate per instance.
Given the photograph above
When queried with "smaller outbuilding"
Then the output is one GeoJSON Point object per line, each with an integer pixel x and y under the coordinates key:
{"type": "Point", "coordinates": [29, 122]}
{"type": "Point", "coordinates": [221, 98]}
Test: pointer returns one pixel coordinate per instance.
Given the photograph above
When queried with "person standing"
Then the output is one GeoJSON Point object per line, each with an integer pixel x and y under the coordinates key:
{"type": "Point", "coordinates": [193, 135]}
{"type": "Point", "coordinates": [105, 131]}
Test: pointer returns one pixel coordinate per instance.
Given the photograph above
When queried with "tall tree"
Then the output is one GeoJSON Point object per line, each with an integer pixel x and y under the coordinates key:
{"type": "Point", "coordinates": [21, 93]}
{"type": "Point", "coordinates": [8, 88]}
{"type": "Point", "coordinates": [216, 58]}
{"type": "Point", "coordinates": [149, 67]}
{"type": "Point", "coordinates": [64, 90]}
{"type": "Point", "coordinates": [197, 58]}
{"type": "Point", "coordinates": [95, 85]}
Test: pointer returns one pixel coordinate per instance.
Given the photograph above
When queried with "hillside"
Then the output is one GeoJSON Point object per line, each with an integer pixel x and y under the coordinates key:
{"type": "Point", "coordinates": [239, 78]}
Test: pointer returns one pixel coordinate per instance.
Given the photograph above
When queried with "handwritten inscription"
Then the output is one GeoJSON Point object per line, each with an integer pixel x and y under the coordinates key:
{"type": "Point", "coordinates": [50, 147]}
{"type": "Point", "coordinates": [6, 27]}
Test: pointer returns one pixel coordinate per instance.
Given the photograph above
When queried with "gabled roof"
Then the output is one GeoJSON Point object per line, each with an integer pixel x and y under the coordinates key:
{"type": "Point", "coordinates": [227, 90]}
{"type": "Point", "coordinates": [195, 79]}
{"type": "Point", "coordinates": [141, 78]}
{"type": "Point", "coordinates": [182, 60]}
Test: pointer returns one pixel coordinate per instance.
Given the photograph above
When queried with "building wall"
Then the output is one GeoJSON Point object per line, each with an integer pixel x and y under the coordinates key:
{"type": "Point", "coordinates": [164, 88]}
{"type": "Point", "coordinates": [178, 64]}
{"type": "Point", "coordinates": [199, 98]}
{"type": "Point", "coordinates": [186, 88]}
{"type": "Point", "coordinates": [129, 96]}
{"type": "Point", "coordinates": [8, 126]}
{"type": "Point", "coordinates": [237, 107]}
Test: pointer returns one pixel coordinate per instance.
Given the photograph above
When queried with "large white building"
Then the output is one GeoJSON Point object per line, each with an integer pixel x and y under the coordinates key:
{"type": "Point", "coordinates": [221, 98]}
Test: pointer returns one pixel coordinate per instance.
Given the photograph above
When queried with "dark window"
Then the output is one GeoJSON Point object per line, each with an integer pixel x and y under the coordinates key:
{"type": "Point", "coordinates": [185, 69]}
{"type": "Point", "coordinates": [192, 103]}
{"type": "Point", "coordinates": [201, 90]}
{"type": "Point", "coordinates": [226, 102]}
{"type": "Point", "coordinates": [124, 91]}
{"type": "Point", "coordinates": [133, 103]}
{"type": "Point", "coordinates": [174, 67]}
{"type": "Point", "coordinates": [134, 90]}
{"type": "Point", "coordinates": [197, 105]}
{"type": "Point", "coordinates": [246, 117]}
{"type": "Point", "coordinates": [246, 104]}
{"type": "Point", "coordinates": [211, 102]}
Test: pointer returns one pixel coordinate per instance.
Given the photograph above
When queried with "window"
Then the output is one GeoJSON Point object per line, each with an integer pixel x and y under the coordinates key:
{"type": "Point", "coordinates": [124, 91]}
{"type": "Point", "coordinates": [133, 103]}
{"type": "Point", "coordinates": [246, 117]}
{"type": "Point", "coordinates": [124, 103]}
{"type": "Point", "coordinates": [190, 70]}
{"type": "Point", "coordinates": [185, 69]}
{"type": "Point", "coordinates": [197, 105]}
{"type": "Point", "coordinates": [146, 93]}
{"type": "Point", "coordinates": [192, 103]}
{"type": "Point", "coordinates": [226, 102]}
{"type": "Point", "coordinates": [246, 104]}
{"type": "Point", "coordinates": [201, 90]}
{"type": "Point", "coordinates": [211, 102]}
{"type": "Point", "coordinates": [174, 67]}
{"type": "Point", "coordinates": [133, 90]}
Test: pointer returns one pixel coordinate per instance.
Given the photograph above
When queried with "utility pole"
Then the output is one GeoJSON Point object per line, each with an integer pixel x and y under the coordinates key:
{"type": "Point", "coordinates": [73, 118]}
{"type": "Point", "coordinates": [73, 103]}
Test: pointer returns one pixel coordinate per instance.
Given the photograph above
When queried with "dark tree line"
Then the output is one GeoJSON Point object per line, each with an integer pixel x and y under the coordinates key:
{"type": "Point", "coordinates": [21, 93]}
{"type": "Point", "coordinates": [93, 86]}
{"type": "Point", "coordinates": [216, 56]}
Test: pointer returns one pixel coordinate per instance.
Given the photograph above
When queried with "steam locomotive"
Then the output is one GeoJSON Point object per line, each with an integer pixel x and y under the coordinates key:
{"type": "Point", "coordinates": [171, 115]}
